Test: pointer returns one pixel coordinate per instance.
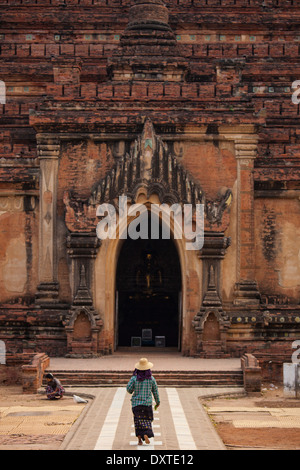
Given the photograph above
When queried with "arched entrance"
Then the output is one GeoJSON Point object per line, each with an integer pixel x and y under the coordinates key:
{"type": "Point", "coordinates": [148, 294]}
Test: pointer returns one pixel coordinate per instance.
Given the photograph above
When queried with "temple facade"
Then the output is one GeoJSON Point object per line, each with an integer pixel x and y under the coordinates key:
{"type": "Point", "coordinates": [168, 103]}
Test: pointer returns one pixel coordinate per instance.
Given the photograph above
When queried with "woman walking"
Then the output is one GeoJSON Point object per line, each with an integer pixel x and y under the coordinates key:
{"type": "Point", "coordinates": [142, 386]}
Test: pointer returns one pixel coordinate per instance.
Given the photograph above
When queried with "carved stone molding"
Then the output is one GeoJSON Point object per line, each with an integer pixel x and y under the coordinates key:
{"type": "Point", "coordinates": [82, 249]}
{"type": "Point", "coordinates": [17, 202]}
{"type": "Point", "coordinates": [247, 293]}
{"type": "Point", "coordinates": [212, 253]}
{"type": "Point", "coordinates": [215, 246]}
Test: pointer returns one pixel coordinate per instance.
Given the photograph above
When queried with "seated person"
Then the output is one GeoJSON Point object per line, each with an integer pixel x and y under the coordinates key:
{"type": "Point", "coordinates": [54, 388]}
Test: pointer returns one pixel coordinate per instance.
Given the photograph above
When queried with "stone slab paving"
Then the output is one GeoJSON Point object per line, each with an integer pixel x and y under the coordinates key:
{"type": "Point", "coordinates": [180, 423]}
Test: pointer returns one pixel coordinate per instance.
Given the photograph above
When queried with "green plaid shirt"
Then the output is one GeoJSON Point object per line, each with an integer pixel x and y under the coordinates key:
{"type": "Point", "coordinates": [142, 391]}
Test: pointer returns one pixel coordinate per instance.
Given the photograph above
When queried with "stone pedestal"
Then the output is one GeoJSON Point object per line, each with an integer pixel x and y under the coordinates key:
{"type": "Point", "coordinates": [252, 373]}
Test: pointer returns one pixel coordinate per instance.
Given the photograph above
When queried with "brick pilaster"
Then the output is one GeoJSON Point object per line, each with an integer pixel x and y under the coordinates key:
{"type": "Point", "coordinates": [246, 288]}
{"type": "Point", "coordinates": [48, 153]}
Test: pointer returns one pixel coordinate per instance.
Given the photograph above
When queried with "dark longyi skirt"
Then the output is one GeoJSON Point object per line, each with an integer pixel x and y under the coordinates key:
{"type": "Point", "coordinates": [59, 392]}
{"type": "Point", "coordinates": [143, 417]}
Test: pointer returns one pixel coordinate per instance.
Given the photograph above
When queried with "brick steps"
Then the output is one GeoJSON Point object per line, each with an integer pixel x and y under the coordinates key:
{"type": "Point", "coordinates": [167, 378]}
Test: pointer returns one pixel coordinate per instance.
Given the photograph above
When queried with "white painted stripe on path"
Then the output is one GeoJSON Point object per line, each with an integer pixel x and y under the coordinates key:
{"type": "Point", "coordinates": [183, 432]}
{"type": "Point", "coordinates": [109, 428]}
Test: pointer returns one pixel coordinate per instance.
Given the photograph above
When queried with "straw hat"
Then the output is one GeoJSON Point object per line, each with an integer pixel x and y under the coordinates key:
{"type": "Point", "coordinates": [144, 364]}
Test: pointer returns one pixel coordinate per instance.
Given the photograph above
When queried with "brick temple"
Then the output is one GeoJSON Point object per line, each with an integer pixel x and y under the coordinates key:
{"type": "Point", "coordinates": [174, 102]}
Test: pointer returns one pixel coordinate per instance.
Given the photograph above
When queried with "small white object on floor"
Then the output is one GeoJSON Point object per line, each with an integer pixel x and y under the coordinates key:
{"type": "Point", "coordinates": [77, 399]}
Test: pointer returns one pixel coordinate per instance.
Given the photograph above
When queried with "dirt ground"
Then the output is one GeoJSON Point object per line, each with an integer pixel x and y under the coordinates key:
{"type": "Point", "coordinates": [39, 424]}
{"type": "Point", "coordinates": [235, 418]}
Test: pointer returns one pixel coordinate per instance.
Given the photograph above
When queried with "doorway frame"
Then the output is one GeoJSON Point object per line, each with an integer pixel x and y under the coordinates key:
{"type": "Point", "coordinates": [106, 272]}
{"type": "Point", "coordinates": [179, 301]}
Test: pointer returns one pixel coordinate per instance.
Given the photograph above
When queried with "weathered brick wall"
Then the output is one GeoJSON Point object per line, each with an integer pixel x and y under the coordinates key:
{"type": "Point", "coordinates": [18, 250]}
{"type": "Point", "coordinates": [277, 248]}
{"type": "Point", "coordinates": [219, 158]}
{"type": "Point", "coordinates": [242, 57]}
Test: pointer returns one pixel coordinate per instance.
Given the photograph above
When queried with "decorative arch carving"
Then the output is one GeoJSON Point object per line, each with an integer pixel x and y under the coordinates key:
{"type": "Point", "coordinates": [151, 169]}
{"type": "Point", "coordinates": [78, 311]}
{"type": "Point", "coordinates": [151, 166]}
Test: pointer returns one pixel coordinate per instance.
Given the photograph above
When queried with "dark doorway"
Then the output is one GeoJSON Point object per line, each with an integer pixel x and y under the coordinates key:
{"type": "Point", "coordinates": [148, 294]}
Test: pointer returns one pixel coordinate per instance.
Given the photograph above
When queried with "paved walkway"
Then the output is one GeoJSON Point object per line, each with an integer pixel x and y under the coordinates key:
{"type": "Point", "coordinates": [180, 423]}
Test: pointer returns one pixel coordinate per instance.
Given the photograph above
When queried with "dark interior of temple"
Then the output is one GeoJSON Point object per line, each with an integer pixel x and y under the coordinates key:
{"type": "Point", "coordinates": [148, 294]}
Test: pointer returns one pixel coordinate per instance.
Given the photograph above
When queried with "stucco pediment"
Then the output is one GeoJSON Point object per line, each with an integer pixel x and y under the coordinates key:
{"type": "Point", "coordinates": [149, 166]}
